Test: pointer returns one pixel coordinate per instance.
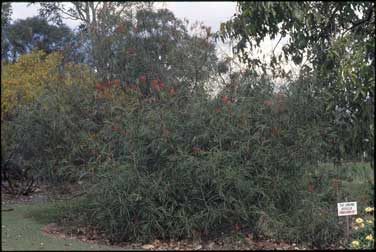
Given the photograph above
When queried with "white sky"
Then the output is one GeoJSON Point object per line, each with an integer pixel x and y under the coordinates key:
{"type": "Point", "coordinates": [211, 13]}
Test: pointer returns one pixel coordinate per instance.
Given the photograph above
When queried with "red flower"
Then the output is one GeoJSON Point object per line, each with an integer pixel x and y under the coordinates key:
{"type": "Point", "coordinates": [161, 85]}
{"type": "Point", "coordinates": [310, 188]}
{"type": "Point", "coordinates": [120, 28]}
{"type": "Point", "coordinates": [99, 87]}
{"type": "Point", "coordinates": [238, 227]}
{"type": "Point", "coordinates": [131, 51]}
{"type": "Point", "coordinates": [172, 92]}
{"type": "Point", "coordinates": [154, 82]}
{"type": "Point", "coordinates": [155, 86]}
{"type": "Point", "coordinates": [114, 128]}
{"type": "Point", "coordinates": [275, 131]}
{"type": "Point", "coordinates": [268, 103]}
{"type": "Point", "coordinates": [108, 84]}
{"type": "Point", "coordinates": [116, 83]}
{"type": "Point", "coordinates": [142, 78]}
{"type": "Point", "coordinates": [196, 149]}
{"type": "Point", "coordinates": [225, 99]}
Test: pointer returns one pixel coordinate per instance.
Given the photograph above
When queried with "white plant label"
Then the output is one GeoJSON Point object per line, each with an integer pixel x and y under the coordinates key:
{"type": "Point", "coordinates": [347, 208]}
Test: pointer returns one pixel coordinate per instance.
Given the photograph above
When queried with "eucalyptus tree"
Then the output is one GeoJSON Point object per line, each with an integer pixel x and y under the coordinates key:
{"type": "Point", "coordinates": [333, 42]}
{"type": "Point", "coordinates": [97, 20]}
{"type": "Point", "coordinates": [35, 33]}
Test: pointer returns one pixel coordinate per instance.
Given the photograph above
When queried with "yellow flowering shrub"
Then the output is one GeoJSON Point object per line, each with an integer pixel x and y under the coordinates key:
{"type": "Point", "coordinates": [23, 81]}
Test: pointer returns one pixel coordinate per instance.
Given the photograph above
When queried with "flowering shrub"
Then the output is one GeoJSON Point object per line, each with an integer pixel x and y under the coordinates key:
{"type": "Point", "coordinates": [23, 81]}
{"type": "Point", "coordinates": [363, 235]}
{"type": "Point", "coordinates": [185, 166]}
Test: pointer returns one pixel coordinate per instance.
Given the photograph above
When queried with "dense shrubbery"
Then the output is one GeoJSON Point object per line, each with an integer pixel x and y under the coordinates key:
{"type": "Point", "coordinates": [181, 166]}
{"type": "Point", "coordinates": [170, 164]}
{"type": "Point", "coordinates": [48, 128]}
{"type": "Point", "coordinates": [160, 156]}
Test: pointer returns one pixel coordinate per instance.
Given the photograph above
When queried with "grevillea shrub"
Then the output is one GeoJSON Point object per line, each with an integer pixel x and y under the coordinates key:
{"type": "Point", "coordinates": [192, 166]}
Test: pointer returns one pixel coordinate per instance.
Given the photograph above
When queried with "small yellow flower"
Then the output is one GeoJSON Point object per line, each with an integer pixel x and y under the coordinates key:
{"type": "Point", "coordinates": [369, 209]}
{"type": "Point", "coordinates": [369, 222]}
{"type": "Point", "coordinates": [355, 243]}
{"type": "Point", "coordinates": [362, 225]}
{"type": "Point", "coordinates": [356, 228]}
{"type": "Point", "coordinates": [369, 237]}
{"type": "Point", "coordinates": [359, 220]}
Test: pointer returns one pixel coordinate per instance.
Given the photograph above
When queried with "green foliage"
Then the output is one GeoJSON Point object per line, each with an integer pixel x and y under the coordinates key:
{"type": "Point", "coordinates": [163, 158]}
{"type": "Point", "coordinates": [334, 44]}
{"type": "Point", "coordinates": [169, 179]}
{"type": "Point", "coordinates": [153, 45]}
{"type": "Point", "coordinates": [311, 26]}
{"type": "Point", "coordinates": [6, 12]}
{"type": "Point", "coordinates": [45, 133]}
{"type": "Point", "coordinates": [98, 24]}
{"type": "Point", "coordinates": [25, 35]}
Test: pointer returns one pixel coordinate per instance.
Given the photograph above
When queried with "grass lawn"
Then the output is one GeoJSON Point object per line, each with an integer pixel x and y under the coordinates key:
{"type": "Point", "coordinates": [20, 231]}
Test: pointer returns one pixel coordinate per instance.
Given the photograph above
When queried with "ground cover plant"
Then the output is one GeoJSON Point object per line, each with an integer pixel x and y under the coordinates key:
{"type": "Point", "coordinates": [159, 155]}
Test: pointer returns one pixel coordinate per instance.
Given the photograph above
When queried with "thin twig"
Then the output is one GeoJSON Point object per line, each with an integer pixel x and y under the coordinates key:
{"type": "Point", "coordinates": [277, 44]}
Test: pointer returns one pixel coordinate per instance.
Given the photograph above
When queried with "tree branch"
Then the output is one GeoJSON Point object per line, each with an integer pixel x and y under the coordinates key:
{"type": "Point", "coordinates": [80, 13]}
{"type": "Point", "coordinates": [369, 17]}
{"type": "Point", "coordinates": [277, 44]}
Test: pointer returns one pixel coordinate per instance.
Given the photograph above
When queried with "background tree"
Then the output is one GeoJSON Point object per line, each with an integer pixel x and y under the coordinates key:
{"type": "Point", "coordinates": [6, 12]}
{"type": "Point", "coordinates": [128, 41]}
{"type": "Point", "coordinates": [159, 47]}
{"type": "Point", "coordinates": [35, 33]}
{"type": "Point", "coordinates": [98, 20]}
{"type": "Point", "coordinates": [336, 42]}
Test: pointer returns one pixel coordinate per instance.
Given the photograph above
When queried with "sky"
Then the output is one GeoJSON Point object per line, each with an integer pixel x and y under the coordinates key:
{"type": "Point", "coordinates": [211, 13]}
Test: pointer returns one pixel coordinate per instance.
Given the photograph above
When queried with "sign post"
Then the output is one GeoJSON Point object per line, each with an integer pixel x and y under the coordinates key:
{"type": "Point", "coordinates": [346, 209]}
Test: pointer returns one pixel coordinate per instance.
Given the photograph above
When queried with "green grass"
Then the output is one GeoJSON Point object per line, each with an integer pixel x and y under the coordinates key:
{"type": "Point", "coordinates": [21, 230]}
